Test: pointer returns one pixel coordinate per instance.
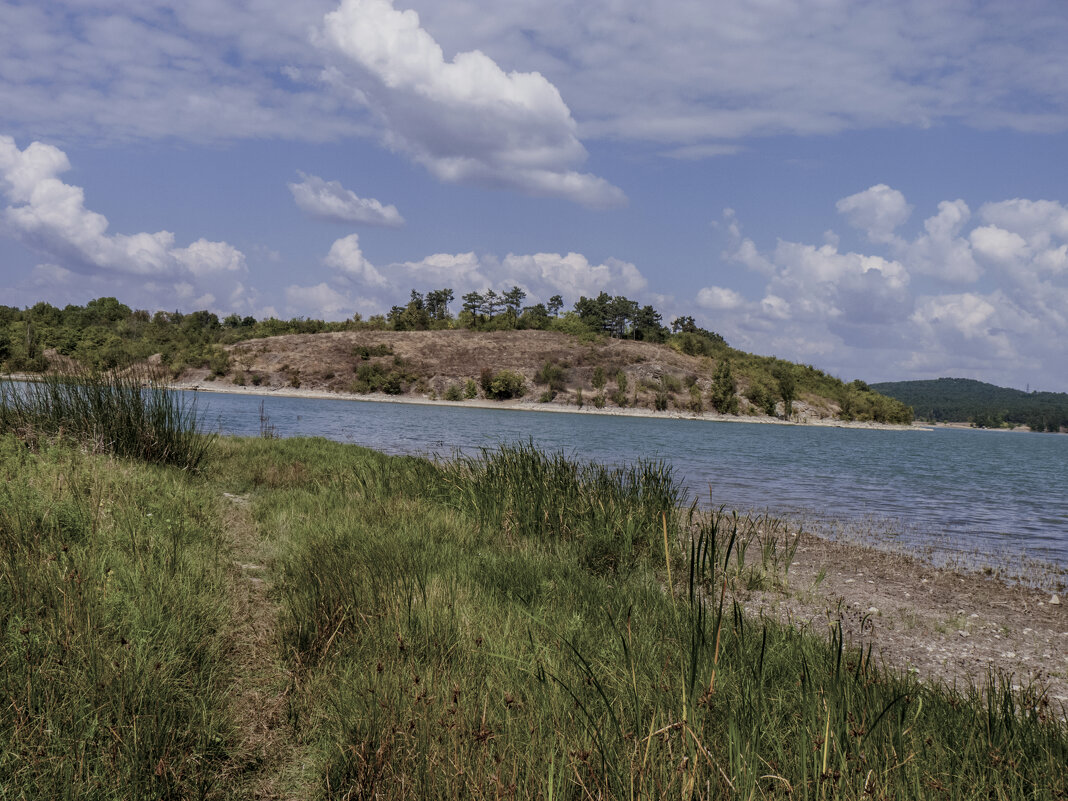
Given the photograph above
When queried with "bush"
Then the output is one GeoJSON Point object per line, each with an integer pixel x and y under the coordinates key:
{"type": "Point", "coordinates": [470, 389]}
{"type": "Point", "coordinates": [365, 352]}
{"type": "Point", "coordinates": [503, 385]}
{"type": "Point", "coordinates": [453, 392]}
{"type": "Point", "coordinates": [599, 380]}
{"type": "Point", "coordinates": [552, 374]}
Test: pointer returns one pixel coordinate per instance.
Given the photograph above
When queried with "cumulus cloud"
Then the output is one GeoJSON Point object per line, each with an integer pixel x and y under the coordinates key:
{"type": "Point", "coordinates": [883, 316]}
{"type": "Point", "coordinates": [466, 119]}
{"type": "Point", "coordinates": [719, 298]}
{"type": "Point", "coordinates": [877, 211]}
{"type": "Point", "coordinates": [329, 200]}
{"type": "Point", "coordinates": [321, 301]}
{"type": "Point", "coordinates": [346, 257]}
{"type": "Point", "coordinates": [50, 217]}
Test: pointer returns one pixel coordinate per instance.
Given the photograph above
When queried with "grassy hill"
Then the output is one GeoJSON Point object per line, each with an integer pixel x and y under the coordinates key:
{"type": "Point", "coordinates": [984, 405]}
{"type": "Point", "coordinates": [607, 352]}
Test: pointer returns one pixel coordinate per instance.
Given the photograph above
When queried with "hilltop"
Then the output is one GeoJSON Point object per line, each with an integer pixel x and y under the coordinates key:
{"type": "Point", "coordinates": [964, 400]}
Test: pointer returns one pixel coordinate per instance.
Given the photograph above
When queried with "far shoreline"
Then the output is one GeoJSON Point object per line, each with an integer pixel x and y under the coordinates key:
{"type": "Point", "coordinates": [534, 406]}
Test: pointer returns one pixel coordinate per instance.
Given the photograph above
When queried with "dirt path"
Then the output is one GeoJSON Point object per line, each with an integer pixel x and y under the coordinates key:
{"type": "Point", "coordinates": [944, 625]}
{"type": "Point", "coordinates": [267, 763]}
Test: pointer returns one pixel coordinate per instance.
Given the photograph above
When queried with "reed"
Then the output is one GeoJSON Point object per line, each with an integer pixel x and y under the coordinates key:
{"type": "Point", "coordinates": [130, 414]}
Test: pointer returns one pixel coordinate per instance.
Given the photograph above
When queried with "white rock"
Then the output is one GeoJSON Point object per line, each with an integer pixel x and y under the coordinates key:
{"type": "Point", "coordinates": [1055, 600]}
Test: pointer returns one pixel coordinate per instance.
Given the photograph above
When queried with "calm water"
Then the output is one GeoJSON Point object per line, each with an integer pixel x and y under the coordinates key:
{"type": "Point", "coordinates": [952, 490]}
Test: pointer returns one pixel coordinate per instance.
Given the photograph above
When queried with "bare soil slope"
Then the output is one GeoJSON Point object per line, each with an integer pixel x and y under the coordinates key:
{"type": "Point", "coordinates": [430, 361]}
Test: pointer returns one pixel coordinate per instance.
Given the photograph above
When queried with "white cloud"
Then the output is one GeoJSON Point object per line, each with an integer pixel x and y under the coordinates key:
{"type": "Point", "coordinates": [466, 119]}
{"type": "Point", "coordinates": [50, 216]}
{"type": "Point", "coordinates": [674, 73]}
{"type": "Point", "coordinates": [329, 200]}
{"type": "Point", "coordinates": [941, 251]}
{"type": "Point", "coordinates": [997, 245]}
{"type": "Point", "coordinates": [320, 302]}
{"type": "Point", "coordinates": [83, 259]}
{"type": "Point", "coordinates": [877, 211]}
{"type": "Point", "coordinates": [1040, 222]}
{"type": "Point", "coordinates": [540, 275]}
{"type": "Point", "coordinates": [346, 257]}
{"type": "Point", "coordinates": [719, 298]}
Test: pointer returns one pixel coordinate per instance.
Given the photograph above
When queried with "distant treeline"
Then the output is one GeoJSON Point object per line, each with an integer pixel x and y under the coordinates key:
{"type": "Point", "coordinates": [964, 400]}
{"type": "Point", "coordinates": [106, 333]}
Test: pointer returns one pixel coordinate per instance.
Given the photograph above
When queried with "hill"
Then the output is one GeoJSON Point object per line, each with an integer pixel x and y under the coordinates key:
{"type": "Point", "coordinates": [605, 352]}
{"type": "Point", "coordinates": [550, 367]}
{"type": "Point", "coordinates": [965, 400]}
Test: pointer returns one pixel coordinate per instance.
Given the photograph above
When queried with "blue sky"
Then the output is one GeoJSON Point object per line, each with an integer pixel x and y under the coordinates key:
{"type": "Point", "coordinates": [878, 189]}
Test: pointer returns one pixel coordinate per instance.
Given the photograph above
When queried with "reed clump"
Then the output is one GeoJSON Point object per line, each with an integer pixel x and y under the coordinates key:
{"type": "Point", "coordinates": [129, 414]}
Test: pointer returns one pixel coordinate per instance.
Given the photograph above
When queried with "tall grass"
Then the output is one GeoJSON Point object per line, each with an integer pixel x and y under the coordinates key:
{"type": "Point", "coordinates": [112, 671]}
{"type": "Point", "coordinates": [129, 414]}
{"type": "Point", "coordinates": [453, 635]}
{"type": "Point", "coordinates": [612, 515]}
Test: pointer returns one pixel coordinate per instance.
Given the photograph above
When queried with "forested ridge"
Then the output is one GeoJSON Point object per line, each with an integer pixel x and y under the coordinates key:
{"type": "Point", "coordinates": [106, 333]}
{"type": "Point", "coordinates": [964, 400]}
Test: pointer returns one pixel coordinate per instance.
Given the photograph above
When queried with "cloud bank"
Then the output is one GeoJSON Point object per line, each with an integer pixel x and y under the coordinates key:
{"type": "Point", "coordinates": [993, 300]}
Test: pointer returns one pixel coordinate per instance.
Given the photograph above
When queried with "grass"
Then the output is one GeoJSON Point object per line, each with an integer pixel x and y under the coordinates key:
{"type": "Point", "coordinates": [511, 625]}
{"type": "Point", "coordinates": [111, 668]}
{"type": "Point", "coordinates": [457, 630]}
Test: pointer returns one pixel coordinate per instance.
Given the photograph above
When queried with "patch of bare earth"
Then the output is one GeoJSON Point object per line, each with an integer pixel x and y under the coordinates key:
{"type": "Point", "coordinates": [946, 626]}
{"type": "Point", "coordinates": [266, 762]}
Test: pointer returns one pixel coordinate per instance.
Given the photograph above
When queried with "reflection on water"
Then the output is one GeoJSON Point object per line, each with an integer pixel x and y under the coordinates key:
{"type": "Point", "coordinates": [949, 489]}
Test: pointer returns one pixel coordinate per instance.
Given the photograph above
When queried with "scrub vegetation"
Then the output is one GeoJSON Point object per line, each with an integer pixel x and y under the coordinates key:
{"type": "Point", "coordinates": [507, 624]}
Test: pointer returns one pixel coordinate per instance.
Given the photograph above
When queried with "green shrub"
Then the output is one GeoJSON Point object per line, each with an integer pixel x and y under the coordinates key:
{"type": "Point", "coordinates": [453, 392]}
{"type": "Point", "coordinates": [502, 385]}
{"type": "Point", "coordinates": [552, 374]}
{"type": "Point", "coordinates": [599, 379]}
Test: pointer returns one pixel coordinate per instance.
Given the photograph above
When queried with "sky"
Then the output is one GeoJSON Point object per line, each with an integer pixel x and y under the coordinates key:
{"type": "Point", "coordinates": [877, 189]}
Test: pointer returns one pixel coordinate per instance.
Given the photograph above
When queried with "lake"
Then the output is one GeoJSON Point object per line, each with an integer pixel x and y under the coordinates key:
{"type": "Point", "coordinates": [996, 494]}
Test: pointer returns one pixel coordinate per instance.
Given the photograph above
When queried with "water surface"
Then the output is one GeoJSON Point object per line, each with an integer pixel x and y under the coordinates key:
{"type": "Point", "coordinates": [952, 490]}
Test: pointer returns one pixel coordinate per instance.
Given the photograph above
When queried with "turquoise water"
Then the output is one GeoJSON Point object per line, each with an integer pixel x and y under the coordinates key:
{"type": "Point", "coordinates": [951, 490]}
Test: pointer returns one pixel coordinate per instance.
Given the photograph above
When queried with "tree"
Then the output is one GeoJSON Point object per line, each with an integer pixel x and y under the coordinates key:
{"type": "Point", "coordinates": [784, 377]}
{"type": "Point", "coordinates": [492, 303]}
{"type": "Point", "coordinates": [554, 305]}
{"type": "Point", "coordinates": [473, 303]}
{"type": "Point", "coordinates": [722, 395]}
{"type": "Point", "coordinates": [513, 301]}
{"type": "Point", "coordinates": [437, 304]}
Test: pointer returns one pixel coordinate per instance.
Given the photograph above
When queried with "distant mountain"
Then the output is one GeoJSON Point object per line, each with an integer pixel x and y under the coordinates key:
{"type": "Point", "coordinates": [964, 400]}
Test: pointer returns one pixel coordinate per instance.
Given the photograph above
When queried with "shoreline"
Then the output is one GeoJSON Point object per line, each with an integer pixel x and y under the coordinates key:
{"type": "Point", "coordinates": [532, 406]}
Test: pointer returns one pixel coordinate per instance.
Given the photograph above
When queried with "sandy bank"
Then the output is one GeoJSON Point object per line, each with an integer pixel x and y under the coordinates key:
{"type": "Point", "coordinates": [532, 406]}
